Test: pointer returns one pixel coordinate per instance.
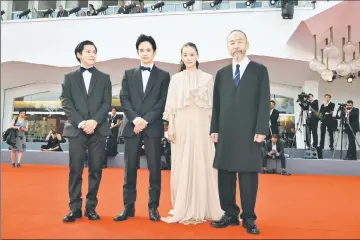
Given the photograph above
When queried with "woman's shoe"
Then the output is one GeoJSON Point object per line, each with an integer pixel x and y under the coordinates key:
{"type": "Point", "coordinates": [18, 165]}
{"type": "Point", "coordinates": [13, 165]}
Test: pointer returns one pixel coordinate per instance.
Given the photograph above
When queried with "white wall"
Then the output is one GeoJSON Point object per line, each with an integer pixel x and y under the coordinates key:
{"type": "Point", "coordinates": [266, 30]}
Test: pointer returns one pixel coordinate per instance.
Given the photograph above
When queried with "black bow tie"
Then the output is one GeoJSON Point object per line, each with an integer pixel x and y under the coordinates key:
{"type": "Point", "coordinates": [145, 68]}
{"type": "Point", "coordinates": [82, 69]}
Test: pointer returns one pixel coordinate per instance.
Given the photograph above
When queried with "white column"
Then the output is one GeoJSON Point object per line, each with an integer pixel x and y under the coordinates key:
{"type": "Point", "coordinates": [7, 7]}
{"type": "Point", "coordinates": [309, 86]}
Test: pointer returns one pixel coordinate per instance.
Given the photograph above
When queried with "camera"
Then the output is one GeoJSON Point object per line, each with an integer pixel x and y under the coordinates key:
{"type": "Point", "coordinates": [302, 97]}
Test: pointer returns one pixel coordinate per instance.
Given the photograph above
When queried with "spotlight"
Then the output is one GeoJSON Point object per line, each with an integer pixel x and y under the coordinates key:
{"type": "Point", "coordinates": [287, 9]}
{"type": "Point", "coordinates": [75, 10]}
{"type": "Point", "coordinates": [102, 9]}
{"type": "Point", "coordinates": [129, 7]}
{"type": "Point", "coordinates": [249, 2]}
{"type": "Point", "coordinates": [215, 3]}
{"type": "Point", "coordinates": [189, 3]}
{"type": "Point", "coordinates": [24, 13]}
{"type": "Point", "coordinates": [350, 78]}
{"type": "Point", "coordinates": [273, 2]}
{"type": "Point", "coordinates": [158, 5]}
{"type": "Point", "coordinates": [48, 12]}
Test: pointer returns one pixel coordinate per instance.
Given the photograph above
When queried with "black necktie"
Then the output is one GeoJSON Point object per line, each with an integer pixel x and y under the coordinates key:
{"type": "Point", "coordinates": [82, 69]}
{"type": "Point", "coordinates": [145, 68]}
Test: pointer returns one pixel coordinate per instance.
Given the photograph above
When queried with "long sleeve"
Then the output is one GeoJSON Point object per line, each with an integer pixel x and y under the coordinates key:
{"type": "Point", "coordinates": [101, 115]}
{"type": "Point", "coordinates": [170, 106]}
{"type": "Point", "coordinates": [157, 111]}
{"type": "Point", "coordinates": [214, 126]}
{"type": "Point", "coordinates": [264, 105]}
{"type": "Point", "coordinates": [67, 103]}
{"type": "Point", "coordinates": [129, 110]}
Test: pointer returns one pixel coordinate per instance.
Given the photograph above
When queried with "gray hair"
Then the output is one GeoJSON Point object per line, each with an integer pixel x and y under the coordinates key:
{"type": "Point", "coordinates": [237, 30]}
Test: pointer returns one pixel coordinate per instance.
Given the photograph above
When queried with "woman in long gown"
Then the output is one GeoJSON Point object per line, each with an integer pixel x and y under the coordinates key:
{"type": "Point", "coordinates": [194, 187]}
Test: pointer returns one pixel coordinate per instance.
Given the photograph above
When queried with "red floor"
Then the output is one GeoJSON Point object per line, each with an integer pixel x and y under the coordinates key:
{"type": "Point", "coordinates": [34, 200]}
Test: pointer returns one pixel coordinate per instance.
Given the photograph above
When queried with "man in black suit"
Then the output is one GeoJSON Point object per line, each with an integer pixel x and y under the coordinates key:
{"type": "Point", "coordinates": [122, 8]}
{"type": "Point", "coordinates": [143, 97]}
{"type": "Point", "coordinates": [327, 110]}
{"type": "Point", "coordinates": [312, 120]}
{"type": "Point", "coordinates": [62, 12]}
{"type": "Point", "coordinates": [86, 100]}
{"type": "Point", "coordinates": [239, 124]}
{"type": "Point", "coordinates": [273, 122]}
{"type": "Point", "coordinates": [275, 149]}
{"type": "Point", "coordinates": [352, 119]}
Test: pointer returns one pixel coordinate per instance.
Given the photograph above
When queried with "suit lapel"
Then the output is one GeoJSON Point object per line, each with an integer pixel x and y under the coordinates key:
{"type": "Point", "coordinates": [93, 80]}
{"type": "Point", "coordinates": [80, 82]}
{"type": "Point", "coordinates": [151, 81]}
{"type": "Point", "coordinates": [139, 82]}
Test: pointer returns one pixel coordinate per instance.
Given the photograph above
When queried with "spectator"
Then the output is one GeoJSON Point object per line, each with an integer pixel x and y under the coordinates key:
{"type": "Point", "coordinates": [54, 139]}
{"type": "Point", "coordinates": [62, 12]}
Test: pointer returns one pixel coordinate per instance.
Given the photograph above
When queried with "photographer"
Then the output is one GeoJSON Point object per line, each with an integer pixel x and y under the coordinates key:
{"type": "Point", "coordinates": [307, 103]}
{"type": "Point", "coordinates": [275, 149]}
{"type": "Point", "coordinates": [351, 116]}
{"type": "Point", "coordinates": [327, 121]}
{"type": "Point", "coordinates": [54, 139]}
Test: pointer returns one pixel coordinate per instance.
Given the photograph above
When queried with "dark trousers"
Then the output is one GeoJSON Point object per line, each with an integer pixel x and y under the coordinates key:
{"type": "Point", "coordinates": [313, 130]}
{"type": "Point", "coordinates": [77, 152]}
{"type": "Point", "coordinates": [351, 152]}
{"type": "Point", "coordinates": [248, 182]}
{"type": "Point", "coordinates": [281, 157]}
{"type": "Point", "coordinates": [323, 128]}
{"type": "Point", "coordinates": [132, 159]}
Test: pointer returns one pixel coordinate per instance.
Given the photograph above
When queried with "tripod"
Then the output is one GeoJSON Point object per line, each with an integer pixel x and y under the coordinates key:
{"type": "Point", "coordinates": [343, 123]}
{"type": "Point", "coordinates": [307, 137]}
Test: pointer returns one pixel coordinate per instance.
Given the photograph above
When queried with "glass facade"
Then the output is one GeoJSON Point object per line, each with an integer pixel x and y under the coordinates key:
{"type": "Point", "coordinates": [44, 112]}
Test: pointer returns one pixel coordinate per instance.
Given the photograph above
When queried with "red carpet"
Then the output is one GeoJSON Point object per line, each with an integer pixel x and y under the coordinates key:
{"type": "Point", "coordinates": [34, 200]}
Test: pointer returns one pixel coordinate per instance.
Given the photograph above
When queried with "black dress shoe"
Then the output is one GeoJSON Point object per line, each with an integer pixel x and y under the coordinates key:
{"type": "Point", "coordinates": [73, 215]}
{"type": "Point", "coordinates": [250, 227]}
{"type": "Point", "coordinates": [154, 214]}
{"type": "Point", "coordinates": [225, 221]}
{"type": "Point", "coordinates": [127, 212]}
{"type": "Point", "coordinates": [91, 214]}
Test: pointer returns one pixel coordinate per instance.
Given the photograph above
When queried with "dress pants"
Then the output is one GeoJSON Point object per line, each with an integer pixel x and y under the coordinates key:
{"type": "Point", "coordinates": [95, 145]}
{"type": "Point", "coordinates": [248, 182]}
{"type": "Point", "coordinates": [132, 162]}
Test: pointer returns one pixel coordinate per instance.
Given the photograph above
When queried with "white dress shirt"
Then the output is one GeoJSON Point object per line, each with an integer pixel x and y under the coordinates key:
{"type": "Point", "coordinates": [145, 75]}
{"type": "Point", "coordinates": [243, 64]}
{"type": "Point", "coordinates": [87, 77]}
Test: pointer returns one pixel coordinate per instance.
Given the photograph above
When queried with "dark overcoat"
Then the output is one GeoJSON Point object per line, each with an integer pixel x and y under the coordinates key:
{"type": "Point", "coordinates": [238, 114]}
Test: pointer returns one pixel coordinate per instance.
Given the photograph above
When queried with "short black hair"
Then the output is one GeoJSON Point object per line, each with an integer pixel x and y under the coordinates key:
{"type": "Point", "coordinates": [350, 102]}
{"type": "Point", "coordinates": [80, 47]}
{"type": "Point", "coordinates": [145, 38]}
{"type": "Point", "coordinates": [22, 110]}
{"type": "Point", "coordinates": [237, 30]}
{"type": "Point", "coordinates": [310, 94]}
{"type": "Point", "coordinates": [273, 102]}
{"type": "Point", "coordinates": [275, 136]}
{"type": "Point", "coordinates": [326, 94]}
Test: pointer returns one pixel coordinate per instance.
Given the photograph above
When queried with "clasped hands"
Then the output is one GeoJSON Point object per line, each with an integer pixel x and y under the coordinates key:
{"type": "Point", "coordinates": [89, 126]}
{"type": "Point", "coordinates": [257, 138]}
{"type": "Point", "coordinates": [140, 125]}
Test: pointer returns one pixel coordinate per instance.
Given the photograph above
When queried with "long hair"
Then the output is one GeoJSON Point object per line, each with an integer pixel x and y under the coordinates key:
{"type": "Point", "coordinates": [182, 64]}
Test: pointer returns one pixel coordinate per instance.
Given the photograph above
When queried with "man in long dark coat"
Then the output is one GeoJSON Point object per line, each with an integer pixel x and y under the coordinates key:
{"type": "Point", "coordinates": [239, 124]}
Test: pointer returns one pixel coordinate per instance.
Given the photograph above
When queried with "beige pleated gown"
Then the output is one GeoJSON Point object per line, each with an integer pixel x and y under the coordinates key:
{"type": "Point", "coordinates": [194, 186]}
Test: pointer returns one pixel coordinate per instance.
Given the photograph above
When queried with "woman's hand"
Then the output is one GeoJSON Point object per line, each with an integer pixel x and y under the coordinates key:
{"type": "Point", "coordinates": [171, 138]}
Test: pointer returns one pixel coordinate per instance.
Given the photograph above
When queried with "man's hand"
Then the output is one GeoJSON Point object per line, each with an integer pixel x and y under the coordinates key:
{"type": "Point", "coordinates": [171, 138]}
{"type": "Point", "coordinates": [259, 138]}
{"type": "Point", "coordinates": [89, 126]}
{"type": "Point", "coordinates": [214, 137]}
{"type": "Point", "coordinates": [137, 130]}
{"type": "Point", "coordinates": [140, 123]}
{"type": "Point", "coordinates": [277, 154]}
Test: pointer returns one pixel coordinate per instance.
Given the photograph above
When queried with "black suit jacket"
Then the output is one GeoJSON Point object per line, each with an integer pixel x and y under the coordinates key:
{"type": "Point", "coordinates": [274, 121]}
{"type": "Point", "coordinates": [279, 147]}
{"type": "Point", "coordinates": [354, 119]}
{"type": "Point", "coordinates": [65, 14]}
{"type": "Point", "coordinates": [149, 105]}
{"type": "Point", "coordinates": [79, 105]}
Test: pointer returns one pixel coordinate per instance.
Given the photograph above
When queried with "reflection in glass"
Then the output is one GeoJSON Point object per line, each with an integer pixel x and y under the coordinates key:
{"type": "Point", "coordinates": [283, 104]}
{"type": "Point", "coordinates": [287, 130]}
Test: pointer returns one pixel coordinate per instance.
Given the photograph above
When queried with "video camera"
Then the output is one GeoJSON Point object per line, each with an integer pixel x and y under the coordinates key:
{"type": "Point", "coordinates": [302, 97]}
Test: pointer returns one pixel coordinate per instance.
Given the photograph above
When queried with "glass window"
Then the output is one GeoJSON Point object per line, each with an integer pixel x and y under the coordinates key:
{"type": "Point", "coordinates": [110, 2]}
{"type": "Point", "coordinates": [20, 5]}
{"type": "Point", "coordinates": [287, 130]}
{"type": "Point", "coordinates": [39, 102]}
{"type": "Point", "coordinates": [45, 5]}
{"type": "Point", "coordinates": [283, 104]}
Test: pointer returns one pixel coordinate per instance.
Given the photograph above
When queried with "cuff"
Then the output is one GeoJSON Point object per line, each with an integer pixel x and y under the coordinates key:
{"type": "Point", "coordinates": [81, 123]}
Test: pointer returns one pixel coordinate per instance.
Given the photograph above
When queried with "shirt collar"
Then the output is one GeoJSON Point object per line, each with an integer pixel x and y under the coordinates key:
{"type": "Point", "coordinates": [242, 62]}
{"type": "Point", "coordinates": [150, 66]}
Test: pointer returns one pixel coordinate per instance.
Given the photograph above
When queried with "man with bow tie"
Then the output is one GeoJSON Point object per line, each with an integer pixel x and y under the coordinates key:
{"type": "Point", "coordinates": [143, 97]}
{"type": "Point", "coordinates": [86, 100]}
